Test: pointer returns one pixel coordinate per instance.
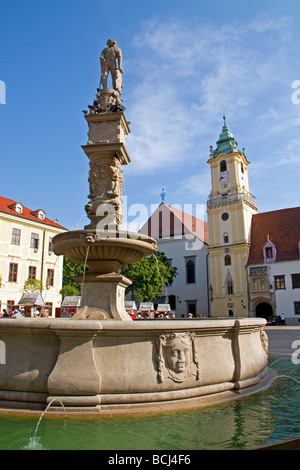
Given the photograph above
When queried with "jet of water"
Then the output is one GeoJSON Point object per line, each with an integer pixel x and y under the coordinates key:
{"type": "Point", "coordinates": [34, 442]}
{"type": "Point", "coordinates": [284, 377]}
{"type": "Point", "coordinates": [84, 269]}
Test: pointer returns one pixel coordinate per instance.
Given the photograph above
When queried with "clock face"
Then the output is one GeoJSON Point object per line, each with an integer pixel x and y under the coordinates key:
{"type": "Point", "coordinates": [224, 177]}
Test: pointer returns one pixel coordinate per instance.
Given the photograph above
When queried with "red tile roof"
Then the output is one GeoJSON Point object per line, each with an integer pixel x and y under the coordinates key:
{"type": "Point", "coordinates": [283, 228]}
{"type": "Point", "coordinates": [6, 206]}
{"type": "Point", "coordinates": [165, 225]}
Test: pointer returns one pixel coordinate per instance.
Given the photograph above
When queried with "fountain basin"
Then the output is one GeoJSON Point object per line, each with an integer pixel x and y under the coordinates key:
{"type": "Point", "coordinates": [114, 367]}
{"type": "Point", "coordinates": [102, 288]}
{"type": "Point", "coordinates": [104, 251]}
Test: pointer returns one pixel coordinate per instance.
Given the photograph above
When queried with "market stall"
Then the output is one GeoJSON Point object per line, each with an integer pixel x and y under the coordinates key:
{"type": "Point", "coordinates": [31, 304]}
{"type": "Point", "coordinates": [164, 311]}
{"type": "Point", "coordinates": [146, 310]}
{"type": "Point", "coordinates": [130, 307]}
{"type": "Point", "coordinates": [69, 306]}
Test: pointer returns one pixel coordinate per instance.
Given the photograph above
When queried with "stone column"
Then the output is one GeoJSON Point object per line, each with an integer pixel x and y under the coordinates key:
{"type": "Point", "coordinates": [102, 245]}
{"type": "Point", "coordinates": [106, 150]}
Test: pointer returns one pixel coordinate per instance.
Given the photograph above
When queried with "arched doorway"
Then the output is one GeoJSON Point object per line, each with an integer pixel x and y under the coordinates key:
{"type": "Point", "coordinates": [264, 310]}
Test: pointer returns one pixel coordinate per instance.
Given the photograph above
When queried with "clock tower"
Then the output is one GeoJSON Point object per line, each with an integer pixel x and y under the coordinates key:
{"type": "Point", "coordinates": [229, 211]}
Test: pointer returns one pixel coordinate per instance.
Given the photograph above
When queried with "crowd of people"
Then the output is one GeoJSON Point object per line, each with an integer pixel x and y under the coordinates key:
{"type": "Point", "coordinates": [134, 314]}
{"type": "Point", "coordinates": [150, 314]}
{"type": "Point", "coordinates": [16, 313]}
{"type": "Point", "coordinates": [157, 315]}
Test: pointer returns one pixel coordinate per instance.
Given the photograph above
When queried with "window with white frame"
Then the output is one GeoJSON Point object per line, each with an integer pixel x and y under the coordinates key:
{"type": "Point", "coordinates": [34, 241]}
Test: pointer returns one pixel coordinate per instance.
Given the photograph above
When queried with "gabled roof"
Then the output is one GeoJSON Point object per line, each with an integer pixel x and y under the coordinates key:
{"type": "Point", "coordinates": [32, 299]}
{"type": "Point", "coordinates": [71, 301]}
{"type": "Point", "coordinates": [283, 229]}
{"type": "Point", "coordinates": [167, 222]}
{"type": "Point", "coordinates": [7, 206]}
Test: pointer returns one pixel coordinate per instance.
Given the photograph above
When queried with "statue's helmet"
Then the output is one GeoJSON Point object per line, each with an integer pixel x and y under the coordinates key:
{"type": "Point", "coordinates": [111, 42]}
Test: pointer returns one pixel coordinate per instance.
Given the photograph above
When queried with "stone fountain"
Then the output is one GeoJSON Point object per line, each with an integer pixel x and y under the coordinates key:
{"type": "Point", "coordinates": [101, 361]}
{"type": "Point", "coordinates": [102, 245]}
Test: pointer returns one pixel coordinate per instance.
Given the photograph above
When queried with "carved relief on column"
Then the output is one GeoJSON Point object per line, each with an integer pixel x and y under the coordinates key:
{"type": "Point", "coordinates": [106, 185]}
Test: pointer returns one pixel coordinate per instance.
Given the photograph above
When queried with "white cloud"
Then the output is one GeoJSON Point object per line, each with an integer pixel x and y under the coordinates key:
{"type": "Point", "coordinates": [266, 23]}
{"type": "Point", "coordinates": [197, 185]}
{"type": "Point", "coordinates": [188, 77]}
{"type": "Point", "coordinates": [287, 156]}
{"type": "Point", "coordinates": [161, 129]}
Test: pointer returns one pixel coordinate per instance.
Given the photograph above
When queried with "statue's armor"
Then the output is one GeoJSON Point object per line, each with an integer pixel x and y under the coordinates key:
{"type": "Point", "coordinates": [108, 59]}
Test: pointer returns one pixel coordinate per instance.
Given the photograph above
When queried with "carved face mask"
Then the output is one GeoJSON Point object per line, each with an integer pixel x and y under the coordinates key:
{"type": "Point", "coordinates": [178, 355]}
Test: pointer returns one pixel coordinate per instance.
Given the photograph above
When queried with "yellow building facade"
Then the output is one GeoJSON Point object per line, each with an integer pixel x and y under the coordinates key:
{"type": "Point", "coordinates": [229, 212]}
{"type": "Point", "coordinates": [26, 252]}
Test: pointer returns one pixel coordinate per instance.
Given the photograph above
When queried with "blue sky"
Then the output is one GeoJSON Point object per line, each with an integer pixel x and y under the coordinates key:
{"type": "Point", "coordinates": [185, 65]}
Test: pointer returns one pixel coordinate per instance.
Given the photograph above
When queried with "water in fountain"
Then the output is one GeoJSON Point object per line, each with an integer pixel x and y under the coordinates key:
{"type": "Point", "coordinates": [34, 441]}
{"type": "Point", "coordinates": [283, 377]}
{"type": "Point", "coordinates": [266, 418]}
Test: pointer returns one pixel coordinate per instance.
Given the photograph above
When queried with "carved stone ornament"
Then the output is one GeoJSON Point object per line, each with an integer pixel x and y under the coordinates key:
{"type": "Point", "coordinates": [105, 179]}
{"type": "Point", "coordinates": [106, 185]}
{"type": "Point", "coordinates": [177, 357]}
{"type": "Point", "coordinates": [258, 270]}
{"type": "Point", "coordinates": [106, 101]}
{"type": "Point", "coordinates": [264, 341]}
{"type": "Point", "coordinates": [89, 238]}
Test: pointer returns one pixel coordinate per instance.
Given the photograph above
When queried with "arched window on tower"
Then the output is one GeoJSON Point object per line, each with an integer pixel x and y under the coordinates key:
{"type": "Point", "coordinates": [226, 237]}
{"type": "Point", "coordinates": [227, 260]}
{"type": "Point", "coordinates": [223, 166]}
{"type": "Point", "coordinates": [228, 284]}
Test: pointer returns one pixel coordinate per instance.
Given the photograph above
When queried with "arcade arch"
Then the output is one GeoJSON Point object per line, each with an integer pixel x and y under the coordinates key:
{"type": "Point", "coordinates": [263, 310]}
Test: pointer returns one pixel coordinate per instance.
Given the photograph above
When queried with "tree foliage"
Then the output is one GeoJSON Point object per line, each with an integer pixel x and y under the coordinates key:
{"type": "Point", "coordinates": [149, 276]}
{"type": "Point", "coordinates": [71, 269]}
{"type": "Point", "coordinates": [32, 285]}
{"type": "Point", "coordinates": [69, 290]}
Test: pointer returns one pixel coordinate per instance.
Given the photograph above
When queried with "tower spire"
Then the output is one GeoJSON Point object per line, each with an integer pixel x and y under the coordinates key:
{"type": "Point", "coordinates": [226, 143]}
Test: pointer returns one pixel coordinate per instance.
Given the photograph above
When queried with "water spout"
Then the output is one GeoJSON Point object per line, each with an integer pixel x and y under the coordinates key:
{"type": "Point", "coordinates": [34, 441]}
{"type": "Point", "coordinates": [84, 269]}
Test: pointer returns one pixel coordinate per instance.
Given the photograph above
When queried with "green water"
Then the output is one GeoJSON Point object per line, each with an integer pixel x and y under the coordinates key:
{"type": "Point", "coordinates": [266, 418]}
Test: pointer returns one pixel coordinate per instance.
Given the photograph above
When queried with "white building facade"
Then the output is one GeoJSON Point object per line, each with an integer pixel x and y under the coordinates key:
{"type": "Point", "coordinates": [26, 252]}
{"type": "Point", "coordinates": [184, 240]}
{"type": "Point", "coordinates": [274, 265]}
